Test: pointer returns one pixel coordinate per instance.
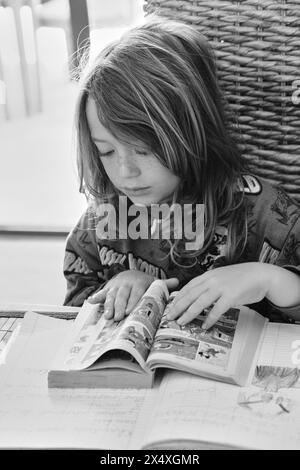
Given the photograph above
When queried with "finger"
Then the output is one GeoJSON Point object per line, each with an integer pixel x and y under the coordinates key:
{"type": "Point", "coordinates": [110, 303]}
{"type": "Point", "coordinates": [135, 296]}
{"type": "Point", "coordinates": [196, 283]}
{"type": "Point", "coordinates": [203, 301]}
{"type": "Point", "coordinates": [121, 302]}
{"type": "Point", "coordinates": [98, 297]}
{"type": "Point", "coordinates": [172, 283]}
{"type": "Point", "coordinates": [220, 307]}
{"type": "Point", "coordinates": [180, 306]}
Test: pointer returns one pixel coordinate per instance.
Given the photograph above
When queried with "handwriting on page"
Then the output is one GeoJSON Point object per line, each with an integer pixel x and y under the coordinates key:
{"type": "Point", "coordinates": [86, 419]}
{"type": "Point", "coordinates": [193, 408]}
{"type": "Point", "coordinates": [31, 415]}
{"type": "Point", "coordinates": [296, 352]}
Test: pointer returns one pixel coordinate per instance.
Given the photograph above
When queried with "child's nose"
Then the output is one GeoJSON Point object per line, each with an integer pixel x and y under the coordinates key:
{"type": "Point", "coordinates": [128, 167]}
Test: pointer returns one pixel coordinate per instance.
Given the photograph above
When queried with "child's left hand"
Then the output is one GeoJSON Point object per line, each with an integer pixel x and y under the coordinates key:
{"type": "Point", "coordinates": [225, 287]}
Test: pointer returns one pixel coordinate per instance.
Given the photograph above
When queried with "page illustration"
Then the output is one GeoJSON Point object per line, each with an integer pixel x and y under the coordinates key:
{"type": "Point", "coordinates": [192, 342]}
{"type": "Point", "coordinates": [270, 397]}
{"type": "Point", "coordinates": [134, 334]}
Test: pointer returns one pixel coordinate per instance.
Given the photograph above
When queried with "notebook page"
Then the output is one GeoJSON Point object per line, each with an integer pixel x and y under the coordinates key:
{"type": "Point", "coordinates": [7, 327]}
{"type": "Point", "coordinates": [33, 416]}
{"type": "Point", "coordinates": [194, 409]}
{"type": "Point", "coordinates": [280, 345]}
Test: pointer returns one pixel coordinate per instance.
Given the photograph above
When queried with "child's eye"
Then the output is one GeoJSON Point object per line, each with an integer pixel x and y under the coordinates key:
{"type": "Point", "coordinates": [105, 154]}
{"type": "Point", "coordinates": [142, 152]}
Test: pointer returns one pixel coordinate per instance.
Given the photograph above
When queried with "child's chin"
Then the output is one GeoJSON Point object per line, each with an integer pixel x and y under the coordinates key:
{"type": "Point", "coordinates": [142, 201]}
{"type": "Point", "coordinates": [145, 200]}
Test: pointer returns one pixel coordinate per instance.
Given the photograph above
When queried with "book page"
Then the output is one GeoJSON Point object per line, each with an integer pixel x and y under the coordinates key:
{"type": "Point", "coordinates": [7, 327]}
{"type": "Point", "coordinates": [33, 416]}
{"type": "Point", "coordinates": [193, 410]}
{"type": "Point", "coordinates": [280, 345]}
{"type": "Point", "coordinates": [190, 345]}
{"type": "Point", "coordinates": [142, 323]}
{"type": "Point", "coordinates": [279, 358]}
{"type": "Point", "coordinates": [93, 335]}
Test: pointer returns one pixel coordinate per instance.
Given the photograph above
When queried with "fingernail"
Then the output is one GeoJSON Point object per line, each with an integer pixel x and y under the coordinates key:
{"type": "Point", "coordinates": [180, 322]}
{"type": "Point", "coordinates": [204, 326]}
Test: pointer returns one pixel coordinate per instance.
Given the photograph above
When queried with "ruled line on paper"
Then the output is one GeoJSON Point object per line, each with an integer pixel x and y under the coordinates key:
{"type": "Point", "coordinates": [7, 327]}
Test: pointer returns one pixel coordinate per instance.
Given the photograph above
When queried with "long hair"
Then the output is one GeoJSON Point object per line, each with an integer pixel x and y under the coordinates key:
{"type": "Point", "coordinates": [158, 85]}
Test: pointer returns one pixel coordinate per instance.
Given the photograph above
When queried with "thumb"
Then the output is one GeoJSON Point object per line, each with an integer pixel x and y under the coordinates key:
{"type": "Point", "coordinates": [172, 283]}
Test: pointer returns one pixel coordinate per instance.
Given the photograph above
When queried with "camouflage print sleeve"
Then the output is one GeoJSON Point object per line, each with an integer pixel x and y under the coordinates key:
{"type": "Point", "coordinates": [274, 236]}
{"type": "Point", "coordinates": [81, 262]}
{"type": "Point", "coordinates": [289, 258]}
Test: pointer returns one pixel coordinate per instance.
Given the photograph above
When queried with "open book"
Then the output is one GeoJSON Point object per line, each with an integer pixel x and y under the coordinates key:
{"type": "Point", "coordinates": [108, 354]}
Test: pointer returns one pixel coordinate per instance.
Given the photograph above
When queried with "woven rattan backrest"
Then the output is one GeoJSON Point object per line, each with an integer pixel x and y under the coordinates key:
{"type": "Point", "coordinates": [257, 48]}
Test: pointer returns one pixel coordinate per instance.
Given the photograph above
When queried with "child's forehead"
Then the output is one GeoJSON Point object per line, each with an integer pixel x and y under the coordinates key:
{"type": "Point", "coordinates": [100, 131]}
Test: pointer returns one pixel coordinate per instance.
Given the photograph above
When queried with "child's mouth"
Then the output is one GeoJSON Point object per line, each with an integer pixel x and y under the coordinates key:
{"type": "Point", "coordinates": [136, 191]}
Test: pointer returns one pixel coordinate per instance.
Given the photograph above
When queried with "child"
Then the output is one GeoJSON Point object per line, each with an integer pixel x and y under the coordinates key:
{"type": "Point", "coordinates": [151, 128]}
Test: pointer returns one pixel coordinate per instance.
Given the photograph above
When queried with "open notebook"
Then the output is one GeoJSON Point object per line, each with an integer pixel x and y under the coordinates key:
{"type": "Point", "coordinates": [181, 411]}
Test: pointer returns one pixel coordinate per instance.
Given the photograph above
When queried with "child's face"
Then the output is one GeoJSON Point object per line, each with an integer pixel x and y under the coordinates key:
{"type": "Point", "coordinates": [131, 168]}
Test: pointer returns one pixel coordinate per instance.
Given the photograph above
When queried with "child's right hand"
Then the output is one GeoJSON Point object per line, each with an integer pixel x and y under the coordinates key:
{"type": "Point", "coordinates": [123, 291]}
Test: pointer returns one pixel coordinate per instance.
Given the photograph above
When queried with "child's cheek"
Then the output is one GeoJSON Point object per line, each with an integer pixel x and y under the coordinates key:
{"type": "Point", "coordinates": [110, 167]}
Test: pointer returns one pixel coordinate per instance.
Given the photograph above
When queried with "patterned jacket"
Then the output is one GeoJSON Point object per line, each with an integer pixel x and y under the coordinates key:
{"type": "Point", "coordinates": [273, 237]}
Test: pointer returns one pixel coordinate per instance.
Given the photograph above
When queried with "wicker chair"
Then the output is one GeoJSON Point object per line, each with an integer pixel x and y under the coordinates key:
{"type": "Point", "coordinates": [257, 48]}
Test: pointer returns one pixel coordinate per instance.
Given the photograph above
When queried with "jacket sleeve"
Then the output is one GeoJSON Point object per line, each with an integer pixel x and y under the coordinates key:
{"type": "Point", "coordinates": [90, 261]}
{"type": "Point", "coordinates": [275, 227]}
{"type": "Point", "coordinates": [81, 262]}
{"type": "Point", "coordinates": [289, 258]}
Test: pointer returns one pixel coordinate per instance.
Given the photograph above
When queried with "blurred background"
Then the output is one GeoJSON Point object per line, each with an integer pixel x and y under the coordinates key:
{"type": "Point", "coordinates": [39, 197]}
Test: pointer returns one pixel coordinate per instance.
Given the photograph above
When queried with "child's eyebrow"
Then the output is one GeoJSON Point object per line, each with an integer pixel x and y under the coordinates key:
{"type": "Point", "coordinates": [136, 143]}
